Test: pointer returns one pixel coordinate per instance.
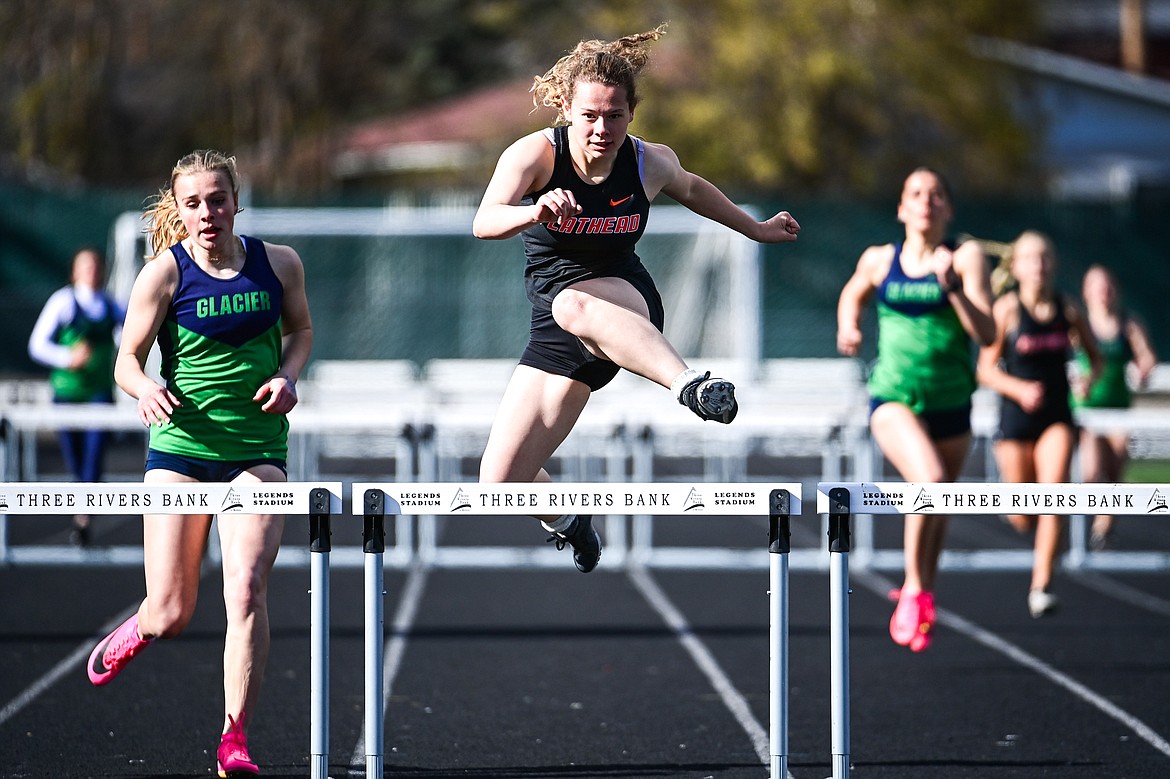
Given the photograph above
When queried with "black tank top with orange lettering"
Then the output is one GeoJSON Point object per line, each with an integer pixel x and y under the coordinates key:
{"type": "Point", "coordinates": [1037, 351]}
{"type": "Point", "coordinates": [597, 242]}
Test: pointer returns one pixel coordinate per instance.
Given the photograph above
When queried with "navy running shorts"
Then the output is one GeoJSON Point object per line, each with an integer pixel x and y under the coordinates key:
{"type": "Point", "coordinates": [205, 470]}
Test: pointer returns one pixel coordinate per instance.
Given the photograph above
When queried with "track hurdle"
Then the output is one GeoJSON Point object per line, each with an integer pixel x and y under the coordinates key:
{"type": "Point", "coordinates": [778, 503]}
{"type": "Point", "coordinates": [840, 500]}
{"type": "Point", "coordinates": [317, 500]}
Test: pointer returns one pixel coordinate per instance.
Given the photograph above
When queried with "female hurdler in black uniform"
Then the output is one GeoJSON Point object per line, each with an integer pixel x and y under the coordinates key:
{"type": "Point", "coordinates": [1035, 330]}
{"type": "Point", "coordinates": [579, 195]}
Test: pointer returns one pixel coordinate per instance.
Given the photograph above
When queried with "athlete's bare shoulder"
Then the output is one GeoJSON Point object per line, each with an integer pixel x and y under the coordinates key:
{"type": "Point", "coordinates": [661, 167]}
{"type": "Point", "coordinates": [529, 149]}
{"type": "Point", "coordinates": [874, 263]}
{"type": "Point", "coordinates": [286, 263]}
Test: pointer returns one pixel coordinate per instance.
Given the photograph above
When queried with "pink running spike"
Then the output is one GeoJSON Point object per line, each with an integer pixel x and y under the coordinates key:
{"type": "Point", "coordinates": [232, 758]}
{"type": "Point", "coordinates": [114, 651]}
{"type": "Point", "coordinates": [904, 622]}
{"type": "Point", "coordinates": [926, 619]}
{"type": "Point", "coordinates": [913, 620]}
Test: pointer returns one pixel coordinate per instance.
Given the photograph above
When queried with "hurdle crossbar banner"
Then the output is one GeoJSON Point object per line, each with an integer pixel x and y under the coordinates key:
{"type": "Point", "coordinates": [776, 502]}
{"type": "Point", "coordinates": [62, 498]}
{"type": "Point", "coordinates": [668, 499]}
{"type": "Point", "coordinates": [998, 498]}
{"type": "Point", "coordinates": [65, 498]}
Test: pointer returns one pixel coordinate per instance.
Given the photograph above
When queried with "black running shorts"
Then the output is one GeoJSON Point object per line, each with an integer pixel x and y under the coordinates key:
{"type": "Point", "coordinates": [1015, 424]}
{"type": "Point", "coordinates": [553, 350]}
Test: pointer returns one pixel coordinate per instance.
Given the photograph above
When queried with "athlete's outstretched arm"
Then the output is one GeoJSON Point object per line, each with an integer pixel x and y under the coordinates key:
{"type": "Point", "coordinates": [664, 173]}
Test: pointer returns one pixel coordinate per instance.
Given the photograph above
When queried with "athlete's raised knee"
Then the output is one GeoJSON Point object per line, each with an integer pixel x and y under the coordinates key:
{"type": "Point", "coordinates": [167, 618]}
{"type": "Point", "coordinates": [573, 310]}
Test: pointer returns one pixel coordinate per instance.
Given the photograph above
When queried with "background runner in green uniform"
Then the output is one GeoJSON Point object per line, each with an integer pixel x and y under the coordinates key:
{"type": "Point", "coordinates": [1122, 341]}
{"type": "Point", "coordinates": [76, 336]}
{"type": "Point", "coordinates": [932, 301]}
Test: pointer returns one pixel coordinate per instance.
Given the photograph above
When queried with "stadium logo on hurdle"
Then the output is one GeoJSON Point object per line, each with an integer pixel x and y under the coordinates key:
{"type": "Point", "coordinates": [878, 497]}
{"type": "Point", "coordinates": [694, 500]}
{"type": "Point", "coordinates": [461, 502]}
{"type": "Point", "coordinates": [422, 499]}
{"type": "Point", "coordinates": [3, 503]}
{"type": "Point", "coordinates": [923, 502]}
{"type": "Point", "coordinates": [1157, 503]}
{"type": "Point", "coordinates": [274, 500]}
{"type": "Point", "coordinates": [231, 502]}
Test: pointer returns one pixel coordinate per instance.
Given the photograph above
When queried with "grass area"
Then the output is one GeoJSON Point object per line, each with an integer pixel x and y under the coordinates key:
{"type": "Point", "coordinates": [1148, 472]}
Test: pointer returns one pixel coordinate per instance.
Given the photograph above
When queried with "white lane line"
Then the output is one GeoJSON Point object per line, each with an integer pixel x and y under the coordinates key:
{"type": "Point", "coordinates": [880, 586]}
{"type": "Point", "coordinates": [395, 649]}
{"type": "Point", "coordinates": [732, 698]}
{"type": "Point", "coordinates": [77, 657]}
{"type": "Point", "coordinates": [1123, 592]}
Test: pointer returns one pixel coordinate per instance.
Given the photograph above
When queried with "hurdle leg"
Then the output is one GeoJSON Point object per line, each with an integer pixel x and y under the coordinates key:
{"type": "Point", "coordinates": [617, 450]}
{"type": "Point", "coordinates": [642, 525]}
{"type": "Point", "coordinates": [839, 628]}
{"type": "Point", "coordinates": [779, 545]}
{"type": "Point", "coordinates": [319, 548]}
{"type": "Point", "coordinates": [374, 547]}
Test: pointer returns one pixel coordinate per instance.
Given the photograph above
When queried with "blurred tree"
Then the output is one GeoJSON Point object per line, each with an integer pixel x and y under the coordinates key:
{"type": "Point", "coordinates": [836, 95]}
{"type": "Point", "coordinates": [816, 94]}
{"type": "Point", "coordinates": [59, 58]}
{"type": "Point", "coordinates": [112, 91]}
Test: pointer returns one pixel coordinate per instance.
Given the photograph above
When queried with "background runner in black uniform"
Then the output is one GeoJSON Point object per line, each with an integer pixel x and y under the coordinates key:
{"type": "Point", "coordinates": [1035, 328]}
{"type": "Point", "coordinates": [580, 197]}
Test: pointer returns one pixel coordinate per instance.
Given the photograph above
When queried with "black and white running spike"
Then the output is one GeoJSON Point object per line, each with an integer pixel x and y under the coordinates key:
{"type": "Point", "coordinates": [710, 398]}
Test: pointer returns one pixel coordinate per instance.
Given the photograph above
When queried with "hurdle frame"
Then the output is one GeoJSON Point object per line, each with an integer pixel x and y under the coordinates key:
{"type": "Point", "coordinates": [778, 502]}
{"type": "Point", "coordinates": [606, 441]}
{"type": "Point", "coordinates": [318, 500]}
{"type": "Point", "coordinates": [842, 500]}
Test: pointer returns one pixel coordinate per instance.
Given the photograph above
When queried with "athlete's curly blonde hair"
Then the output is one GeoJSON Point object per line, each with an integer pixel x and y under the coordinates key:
{"type": "Point", "coordinates": [164, 225]}
{"type": "Point", "coordinates": [999, 255]}
{"type": "Point", "coordinates": [1002, 279]}
{"type": "Point", "coordinates": [609, 63]}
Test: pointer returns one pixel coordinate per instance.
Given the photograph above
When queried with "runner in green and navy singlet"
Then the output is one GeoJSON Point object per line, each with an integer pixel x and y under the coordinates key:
{"type": "Point", "coordinates": [1111, 389]}
{"type": "Point", "coordinates": [221, 340]}
{"type": "Point", "coordinates": [924, 354]}
{"type": "Point", "coordinates": [95, 379]}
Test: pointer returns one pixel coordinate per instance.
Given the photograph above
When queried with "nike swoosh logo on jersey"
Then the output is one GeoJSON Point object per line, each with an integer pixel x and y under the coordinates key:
{"type": "Point", "coordinates": [613, 202]}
